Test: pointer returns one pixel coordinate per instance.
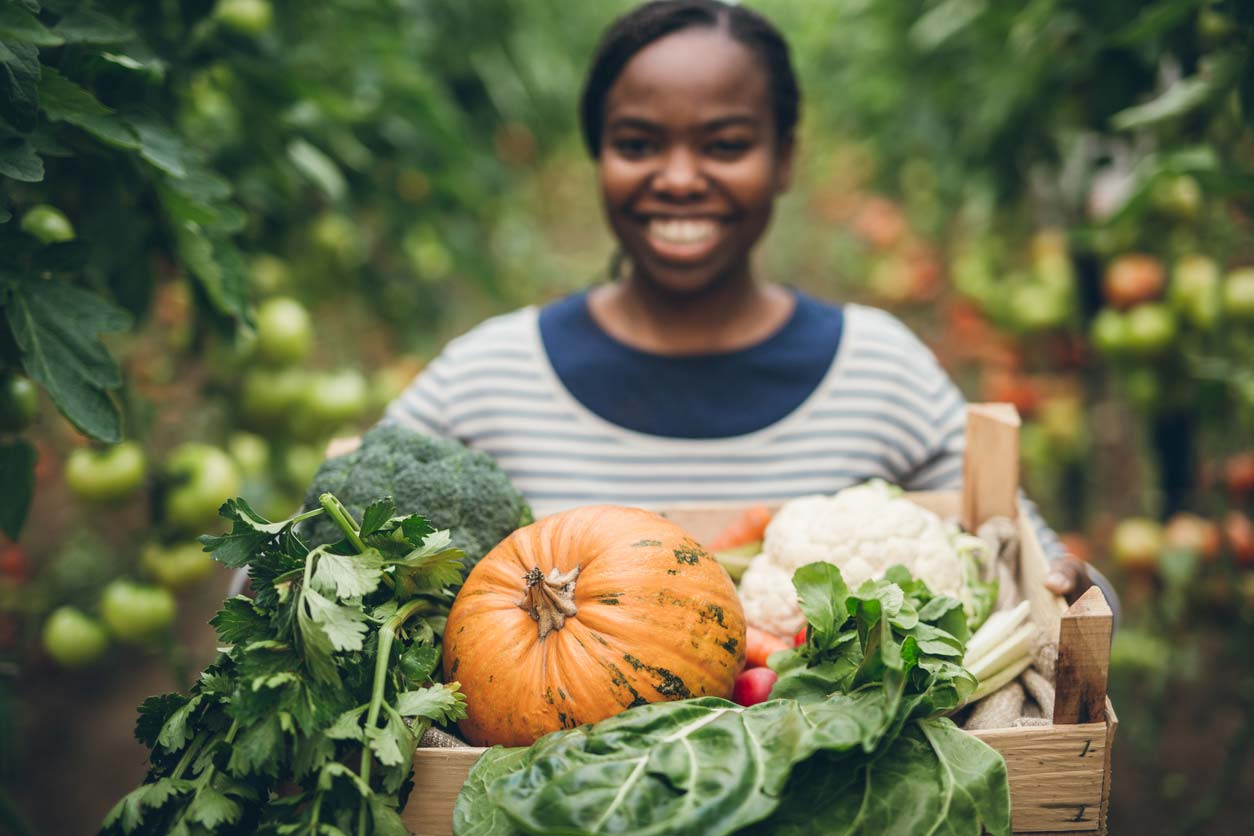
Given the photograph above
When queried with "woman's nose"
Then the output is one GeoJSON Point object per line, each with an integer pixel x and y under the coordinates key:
{"type": "Point", "coordinates": [680, 175]}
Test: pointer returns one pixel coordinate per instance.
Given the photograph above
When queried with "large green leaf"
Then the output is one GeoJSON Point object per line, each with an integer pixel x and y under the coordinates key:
{"type": "Point", "coordinates": [19, 24]}
{"type": "Point", "coordinates": [933, 779]}
{"type": "Point", "coordinates": [57, 327]}
{"type": "Point", "coordinates": [17, 463]}
{"type": "Point", "coordinates": [65, 101]}
{"type": "Point", "coordinates": [19, 84]}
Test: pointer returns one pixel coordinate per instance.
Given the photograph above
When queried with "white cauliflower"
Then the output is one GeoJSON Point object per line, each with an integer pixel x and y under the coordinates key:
{"type": "Point", "coordinates": [863, 530]}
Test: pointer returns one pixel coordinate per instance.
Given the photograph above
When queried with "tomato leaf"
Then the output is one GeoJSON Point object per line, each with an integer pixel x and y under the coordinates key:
{"type": "Point", "coordinates": [57, 327]}
{"type": "Point", "coordinates": [20, 25]}
{"type": "Point", "coordinates": [17, 463]}
{"type": "Point", "coordinates": [85, 25]}
{"type": "Point", "coordinates": [19, 85]}
{"type": "Point", "coordinates": [65, 101]}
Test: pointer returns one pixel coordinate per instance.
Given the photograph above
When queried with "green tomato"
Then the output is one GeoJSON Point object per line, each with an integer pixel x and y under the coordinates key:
{"type": "Point", "coordinates": [1194, 291]}
{"type": "Point", "coordinates": [1109, 332]}
{"type": "Point", "coordinates": [1039, 307]}
{"type": "Point", "coordinates": [335, 399]}
{"type": "Point", "coordinates": [73, 639]}
{"type": "Point", "coordinates": [19, 402]}
{"type": "Point", "coordinates": [106, 475]}
{"type": "Point", "coordinates": [1238, 295]}
{"type": "Point", "coordinates": [136, 613]}
{"type": "Point", "coordinates": [249, 17]}
{"type": "Point", "coordinates": [48, 223]}
{"type": "Point", "coordinates": [177, 566]}
{"type": "Point", "coordinates": [202, 478]}
{"type": "Point", "coordinates": [1179, 196]}
{"type": "Point", "coordinates": [284, 331]}
{"type": "Point", "coordinates": [1143, 389]}
{"type": "Point", "coordinates": [268, 396]}
{"type": "Point", "coordinates": [300, 463]}
{"type": "Point", "coordinates": [251, 452]}
{"type": "Point", "coordinates": [1151, 329]}
{"type": "Point", "coordinates": [269, 273]}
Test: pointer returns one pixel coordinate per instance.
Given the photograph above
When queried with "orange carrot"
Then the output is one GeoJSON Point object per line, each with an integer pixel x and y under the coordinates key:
{"type": "Point", "coordinates": [760, 644]}
{"type": "Point", "coordinates": [749, 526]}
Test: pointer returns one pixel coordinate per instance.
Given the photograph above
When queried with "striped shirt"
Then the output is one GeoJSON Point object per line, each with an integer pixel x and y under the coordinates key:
{"type": "Point", "coordinates": [885, 409]}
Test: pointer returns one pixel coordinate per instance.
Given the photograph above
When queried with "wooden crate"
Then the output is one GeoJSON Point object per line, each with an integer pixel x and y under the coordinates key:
{"type": "Point", "coordinates": [1059, 774]}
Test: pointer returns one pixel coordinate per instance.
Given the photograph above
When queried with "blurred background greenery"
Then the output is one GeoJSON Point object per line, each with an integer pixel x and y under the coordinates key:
{"type": "Point", "coordinates": [273, 213]}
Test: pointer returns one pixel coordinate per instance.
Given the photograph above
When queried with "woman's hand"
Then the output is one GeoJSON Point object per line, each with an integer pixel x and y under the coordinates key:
{"type": "Point", "coordinates": [1069, 577]}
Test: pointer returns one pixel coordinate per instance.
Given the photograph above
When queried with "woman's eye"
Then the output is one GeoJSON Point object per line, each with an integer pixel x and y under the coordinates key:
{"type": "Point", "coordinates": [728, 147]}
{"type": "Point", "coordinates": [633, 146]}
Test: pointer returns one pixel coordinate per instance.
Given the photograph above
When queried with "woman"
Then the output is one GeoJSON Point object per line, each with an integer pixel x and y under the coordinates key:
{"type": "Point", "coordinates": [688, 379]}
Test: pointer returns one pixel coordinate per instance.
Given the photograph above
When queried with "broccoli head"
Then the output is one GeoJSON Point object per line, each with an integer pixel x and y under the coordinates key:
{"type": "Point", "coordinates": [452, 486]}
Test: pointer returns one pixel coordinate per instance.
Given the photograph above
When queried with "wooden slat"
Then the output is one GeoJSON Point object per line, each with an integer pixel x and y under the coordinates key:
{"type": "Point", "coordinates": [1083, 660]}
{"type": "Point", "coordinates": [990, 468]}
{"type": "Point", "coordinates": [438, 778]}
{"type": "Point", "coordinates": [1057, 775]}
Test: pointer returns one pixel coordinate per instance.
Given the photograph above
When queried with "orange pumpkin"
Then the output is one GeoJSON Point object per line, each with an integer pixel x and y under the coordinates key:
{"type": "Point", "coordinates": [585, 613]}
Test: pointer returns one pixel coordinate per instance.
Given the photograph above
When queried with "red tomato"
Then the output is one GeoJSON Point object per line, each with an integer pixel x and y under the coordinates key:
{"type": "Point", "coordinates": [800, 638]}
{"type": "Point", "coordinates": [1137, 543]}
{"type": "Point", "coordinates": [1240, 534]}
{"type": "Point", "coordinates": [1189, 532]}
{"type": "Point", "coordinates": [754, 686]}
{"type": "Point", "coordinates": [1133, 278]}
{"type": "Point", "coordinates": [1239, 473]}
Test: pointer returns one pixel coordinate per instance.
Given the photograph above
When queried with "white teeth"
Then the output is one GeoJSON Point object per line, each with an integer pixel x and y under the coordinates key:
{"type": "Point", "coordinates": [677, 231]}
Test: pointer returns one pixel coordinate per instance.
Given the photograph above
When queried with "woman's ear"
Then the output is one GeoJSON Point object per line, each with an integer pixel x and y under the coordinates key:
{"type": "Point", "coordinates": [783, 166]}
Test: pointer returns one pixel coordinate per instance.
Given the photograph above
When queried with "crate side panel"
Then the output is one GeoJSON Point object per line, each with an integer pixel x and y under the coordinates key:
{"type": "Point", "coordinates": [439, 775]}
{"type": "Point", "coordinates": [1057, 775]}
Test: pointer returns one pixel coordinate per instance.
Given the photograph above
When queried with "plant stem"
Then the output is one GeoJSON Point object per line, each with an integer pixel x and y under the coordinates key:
{"type": "Point", "coordinates": [308, 515]}
{"type": "Point", "coordinates": [387, 635]}
{"type": "Point", "coordinates": [340, 514]}
{"type": "Point", "coordinates": [192, 749]}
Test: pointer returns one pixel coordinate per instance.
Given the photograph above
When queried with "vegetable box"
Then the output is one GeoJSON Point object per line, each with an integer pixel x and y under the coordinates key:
{"type": "Point", "coordinates": [1059, 774]}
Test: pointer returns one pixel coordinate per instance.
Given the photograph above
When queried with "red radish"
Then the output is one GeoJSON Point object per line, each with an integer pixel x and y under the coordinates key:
{"type": "Point", "coordinates": [759, 645]}
{"type": "Point", "coordinates": [800, 638]}
{"type": "Point", "coordinates": [754, 686]}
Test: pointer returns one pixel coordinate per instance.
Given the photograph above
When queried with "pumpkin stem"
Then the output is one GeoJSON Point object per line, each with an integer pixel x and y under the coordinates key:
{"type": "Point", "coordinates": [550, 600]}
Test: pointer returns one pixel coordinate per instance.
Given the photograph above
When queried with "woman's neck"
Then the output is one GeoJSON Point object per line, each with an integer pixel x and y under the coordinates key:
{"type": "Point", "coordinates": [732, 315]}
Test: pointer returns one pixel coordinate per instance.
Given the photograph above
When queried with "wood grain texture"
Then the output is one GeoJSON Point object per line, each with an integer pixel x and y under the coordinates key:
{"type": "Point", "coordinates": [1057, 775]}
{"type": "Point", "coordinates": [990, 469]}
{"type": "Point", "coordinates": [1083, 660]}
{"type": "Point", "coordinates": [438, 778]}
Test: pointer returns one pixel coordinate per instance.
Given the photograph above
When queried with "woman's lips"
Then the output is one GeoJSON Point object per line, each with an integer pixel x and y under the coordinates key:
{"type": "Point", "coordinates": [683, 239]}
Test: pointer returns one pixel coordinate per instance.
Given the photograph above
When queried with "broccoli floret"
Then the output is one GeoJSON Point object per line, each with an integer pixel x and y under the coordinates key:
{"type": "Point", "coordinates": [453, 487]}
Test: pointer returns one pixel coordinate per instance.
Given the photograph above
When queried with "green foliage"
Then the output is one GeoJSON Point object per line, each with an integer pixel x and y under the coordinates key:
{"type": "Point", "coordinates": [455, 488]}
{"type": "Point", "coordinates": [852, 741]}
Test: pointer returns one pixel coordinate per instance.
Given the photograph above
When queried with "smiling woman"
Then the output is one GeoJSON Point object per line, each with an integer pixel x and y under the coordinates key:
{"type": "Point", "coordinates": [686, 378]}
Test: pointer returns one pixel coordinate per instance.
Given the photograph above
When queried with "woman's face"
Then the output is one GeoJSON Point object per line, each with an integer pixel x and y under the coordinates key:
{"type": "Point", "coordinates": [690, 164]}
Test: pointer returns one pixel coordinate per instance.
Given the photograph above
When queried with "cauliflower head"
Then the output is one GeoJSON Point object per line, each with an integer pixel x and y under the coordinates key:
{"type": "Point", "coordinates": [863, 530]}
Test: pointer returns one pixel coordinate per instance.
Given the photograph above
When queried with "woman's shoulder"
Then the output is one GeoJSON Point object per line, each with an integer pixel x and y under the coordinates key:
{"type": "Point", "coordinates": [511, 333]}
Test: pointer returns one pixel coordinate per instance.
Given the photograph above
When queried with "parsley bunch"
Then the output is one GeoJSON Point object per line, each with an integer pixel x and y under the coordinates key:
{"type": "Point", "coordinates": [308, 720]}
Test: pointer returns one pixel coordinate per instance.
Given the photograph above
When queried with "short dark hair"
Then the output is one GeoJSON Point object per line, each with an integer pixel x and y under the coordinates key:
{"type": "Point", "coordinates": [652, 21]}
